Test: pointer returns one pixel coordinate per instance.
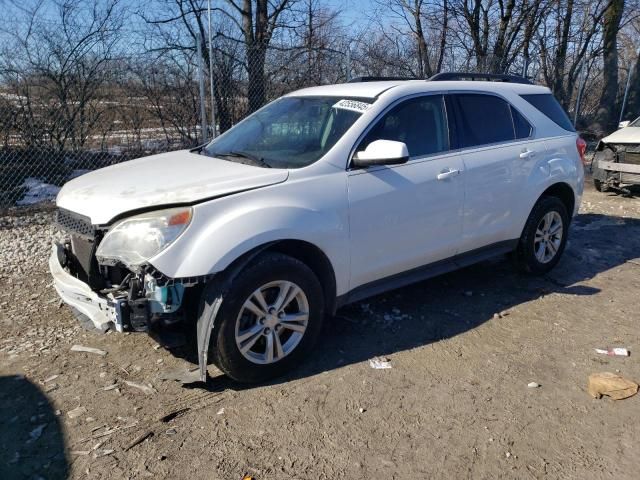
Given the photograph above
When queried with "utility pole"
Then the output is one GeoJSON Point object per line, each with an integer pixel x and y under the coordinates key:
{"type": "Point", "coordinates": [203, 112]}
{"type": "Point", "coordinates": [213, 100]}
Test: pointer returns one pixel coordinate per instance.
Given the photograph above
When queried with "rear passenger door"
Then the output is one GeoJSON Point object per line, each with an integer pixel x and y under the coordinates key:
{"type": "Point", "coordinates": [499, 154]}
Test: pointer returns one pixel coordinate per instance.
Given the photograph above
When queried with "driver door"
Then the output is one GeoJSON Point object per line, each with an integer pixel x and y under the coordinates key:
{"type": "Point", "coordinates": [409, 215]}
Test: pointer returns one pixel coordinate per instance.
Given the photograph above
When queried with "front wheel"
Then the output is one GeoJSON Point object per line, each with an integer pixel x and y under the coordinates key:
{"type": "Point", "coordinates": [269, 319]}
{"type": "Point", "coordinates": [599, 186]}
{"type": "Point", "coordinates": [544, 237]}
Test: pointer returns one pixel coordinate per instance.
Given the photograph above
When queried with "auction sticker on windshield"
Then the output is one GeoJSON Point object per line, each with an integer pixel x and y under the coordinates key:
{"type": "Point", "coordinates": [352, 105]}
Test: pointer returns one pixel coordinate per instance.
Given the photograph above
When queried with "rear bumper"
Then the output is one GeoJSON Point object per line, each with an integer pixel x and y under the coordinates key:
{"type": "Point", "coordinates": [100, 310]}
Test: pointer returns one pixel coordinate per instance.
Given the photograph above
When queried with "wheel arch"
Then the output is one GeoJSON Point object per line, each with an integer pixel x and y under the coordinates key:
{"type": "Point", "coordinates": [308, 253]}
{"type": "Point", "coordinates": [564, 192]}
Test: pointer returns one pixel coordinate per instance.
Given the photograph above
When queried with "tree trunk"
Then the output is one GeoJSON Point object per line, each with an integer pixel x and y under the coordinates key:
{"type": "Point", "coordinates": [633, 101]}
{"type": "Point", "coordinates": [606, 116]}
{"type": "Point", "coordinates": [559, 64]}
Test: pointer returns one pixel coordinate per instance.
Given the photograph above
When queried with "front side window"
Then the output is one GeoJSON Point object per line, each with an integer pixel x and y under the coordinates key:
{"type": "Point", "coordinates": [291, 132]}
{"type": "Point", "coordinates": [419, 122]}
{"type": "Point", "coordinates": [483, 119]}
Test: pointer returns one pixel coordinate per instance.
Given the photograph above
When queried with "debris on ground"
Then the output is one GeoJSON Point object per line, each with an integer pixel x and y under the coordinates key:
{"type": "Point", "coordinates": [81, 348]}
{"type": "Point", "coordinates": [174, 414]}
{"type": "Point", "coordinates": [220, 412]}
{"type": "Point", "coordinates": [181, 375]}
{"type": "Point", "coordinates": [138, 440]}
{"type": "Point", "coordinates": [380, 363]}
{"type": "Point", "coordinates": [611, 385]}
{"type": "Point", "coordinates": [146, 389]}
{"type": "Point", "coordinates": [102, 453]}
{"type": "Point", "coordinates": [76, 412]}
{"type": "Point", "coordinates": [533, 385]}
{"type": "Point", "coordinates": [613, 352]}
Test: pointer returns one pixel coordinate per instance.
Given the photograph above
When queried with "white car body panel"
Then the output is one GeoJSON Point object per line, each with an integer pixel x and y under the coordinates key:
{"type": "Point", "coordinates": [370, 223]}
{"type": "Point", "coordinates": [624, 135]}
{"type": "Point", "coordinates": [169, 178]}
{"type": "Point", "coordinates": [311, 208]}
{"type": "Point", "coordinates": [403, 217]}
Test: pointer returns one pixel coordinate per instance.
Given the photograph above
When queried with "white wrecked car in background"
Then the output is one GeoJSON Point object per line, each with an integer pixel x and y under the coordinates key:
{"type": "Point", "coordinates": [617, 158]}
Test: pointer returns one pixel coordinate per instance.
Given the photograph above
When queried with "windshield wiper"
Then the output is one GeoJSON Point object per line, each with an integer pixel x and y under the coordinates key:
{"type": "Point", "coordinates": [254, 158]}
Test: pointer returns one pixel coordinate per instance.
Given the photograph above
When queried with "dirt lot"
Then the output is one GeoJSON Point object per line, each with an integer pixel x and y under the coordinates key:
{"type": "Point", "coordinates": [455, 404]}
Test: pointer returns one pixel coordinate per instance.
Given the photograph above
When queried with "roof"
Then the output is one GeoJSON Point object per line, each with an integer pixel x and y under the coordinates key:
{"type": "Point", "coordinates": [374, 89]}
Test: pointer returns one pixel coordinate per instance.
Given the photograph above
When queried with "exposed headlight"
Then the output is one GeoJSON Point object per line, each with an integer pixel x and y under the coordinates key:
{"type": "Point", "coordinates": [134, 240]}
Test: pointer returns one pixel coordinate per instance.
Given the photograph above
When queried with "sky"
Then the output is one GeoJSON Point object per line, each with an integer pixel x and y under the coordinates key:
{"type": "Point", "coordinates": [355, 11]}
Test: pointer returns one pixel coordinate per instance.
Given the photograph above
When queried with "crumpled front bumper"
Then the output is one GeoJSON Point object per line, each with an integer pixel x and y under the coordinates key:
{"type": "Point", "coordinates": [100, 310]}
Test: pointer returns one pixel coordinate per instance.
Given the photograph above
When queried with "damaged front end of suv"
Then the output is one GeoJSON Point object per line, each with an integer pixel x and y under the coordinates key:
{"type": "Point", "coordinates": [615, 165]}
{"type": "Point", "coordinates": [616, 162]}
{"type": "Point", "coordinates": [104, 275]}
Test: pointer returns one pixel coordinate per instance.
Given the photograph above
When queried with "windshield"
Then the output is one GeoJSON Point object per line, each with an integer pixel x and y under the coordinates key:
{"type": "Point", "coordinates": [635, 123]}
{"type": "Point", "coordinates": [291, 132]}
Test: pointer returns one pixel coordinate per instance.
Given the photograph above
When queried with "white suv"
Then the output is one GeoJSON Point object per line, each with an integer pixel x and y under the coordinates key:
{"type": "Point", "coordinates": [323, 197]}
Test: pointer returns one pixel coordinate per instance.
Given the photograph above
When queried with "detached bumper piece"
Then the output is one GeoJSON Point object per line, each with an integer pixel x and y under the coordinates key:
{"type": "Point", "coordinates": [112, 310]}
{"type": "Point", "coordinates": [74, 292]}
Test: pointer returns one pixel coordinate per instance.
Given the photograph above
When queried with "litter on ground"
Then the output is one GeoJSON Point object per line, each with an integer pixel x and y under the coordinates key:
{"type": "Point", "coordinates": [379, 363]}
{"type": "Point", "coordinates": [611, 385]}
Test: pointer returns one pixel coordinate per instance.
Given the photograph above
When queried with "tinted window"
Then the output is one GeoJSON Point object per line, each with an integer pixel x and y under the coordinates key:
{"type": "Point", "coordinates": [420, 123]}
{"type": "Point", "coordinates": [520, 124]}
{"type": "Point", "coordinates": [547, 104]}
{"type": "Point", "coordinates": [483, 119]}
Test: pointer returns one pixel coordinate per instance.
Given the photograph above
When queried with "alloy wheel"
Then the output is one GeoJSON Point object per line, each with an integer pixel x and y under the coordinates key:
{"type": "Point", "coordinates": [272, 322]}
{"type": "Point", "coordinates": [548, 237]}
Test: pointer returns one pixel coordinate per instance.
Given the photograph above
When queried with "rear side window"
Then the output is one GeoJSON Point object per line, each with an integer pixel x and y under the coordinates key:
{"type": "Point", "coordinates": [547, 104]}
{"type": "Point", "coordinates": [483, 119]}
{"type": "Point", "coordinates": [419, 122]}
{"type": "Point", "coordinates": [520, 124]}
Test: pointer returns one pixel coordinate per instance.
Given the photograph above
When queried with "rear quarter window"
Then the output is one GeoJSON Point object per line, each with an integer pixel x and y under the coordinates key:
{"type": "Point", "coordinates": [549, 106]}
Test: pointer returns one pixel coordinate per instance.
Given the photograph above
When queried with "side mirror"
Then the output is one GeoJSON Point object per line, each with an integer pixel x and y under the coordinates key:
{"type": "Point", "coordinates": [382, 152]}
{"type": "Point", "coordinates": [624, 124]}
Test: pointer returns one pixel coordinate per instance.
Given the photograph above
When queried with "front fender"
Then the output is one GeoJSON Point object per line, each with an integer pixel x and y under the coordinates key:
{"type": "Point", "coordinates": [225, 229]}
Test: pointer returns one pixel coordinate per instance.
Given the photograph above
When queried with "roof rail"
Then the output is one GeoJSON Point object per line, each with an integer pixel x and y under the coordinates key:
{"type": "Point", "coordinates": [492, 77]}
{"type": "Point", "coordinates": [378, 79]}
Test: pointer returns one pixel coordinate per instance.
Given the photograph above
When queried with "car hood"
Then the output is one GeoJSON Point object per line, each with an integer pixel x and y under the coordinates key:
{"type": "Point", "coordinates": [180, 177]}
{"type": "Point", "coordinates": [624, 135]}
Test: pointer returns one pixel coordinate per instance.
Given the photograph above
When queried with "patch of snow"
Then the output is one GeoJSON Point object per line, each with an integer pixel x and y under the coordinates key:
{"type": "Point", "coordinates": [37, 191]}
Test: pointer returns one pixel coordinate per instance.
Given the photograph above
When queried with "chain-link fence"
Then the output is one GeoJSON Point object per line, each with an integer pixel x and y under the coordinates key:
{"type": "Point", "coordinates": [64, 113]}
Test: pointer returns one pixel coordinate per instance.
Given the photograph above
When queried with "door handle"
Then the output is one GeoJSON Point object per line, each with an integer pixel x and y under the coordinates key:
{"type": "Point", "coordinates": [447, 173]}
{"type": "Point", "coordinates": [526, 154]}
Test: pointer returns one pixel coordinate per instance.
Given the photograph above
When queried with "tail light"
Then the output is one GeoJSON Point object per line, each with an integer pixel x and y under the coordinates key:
{"type": "Point", "coordinates": [581, 145]}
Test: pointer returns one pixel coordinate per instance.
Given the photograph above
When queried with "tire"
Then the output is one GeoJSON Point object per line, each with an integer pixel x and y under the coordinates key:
{"type": "Point", "coordinates": [527, 255]}
{"type": "Point", "coordinates": [599, 186]}
{"type": "Point", "coordinates": [271, 273]}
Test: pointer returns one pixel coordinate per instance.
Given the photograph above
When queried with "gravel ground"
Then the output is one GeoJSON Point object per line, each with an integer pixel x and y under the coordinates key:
{"type": "Point", "coordinates": [455, 404]}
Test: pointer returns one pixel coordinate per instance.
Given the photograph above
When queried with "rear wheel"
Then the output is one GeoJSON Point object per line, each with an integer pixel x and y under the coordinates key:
{"type": "Point", "coordinates": [544, 237]}
{"type": "Point", "coordinates": [269, 320]}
